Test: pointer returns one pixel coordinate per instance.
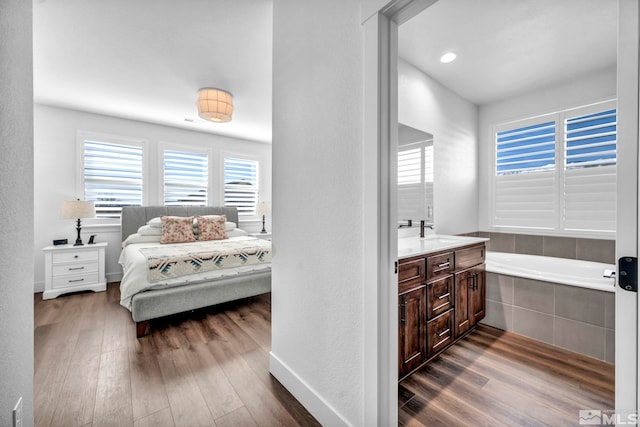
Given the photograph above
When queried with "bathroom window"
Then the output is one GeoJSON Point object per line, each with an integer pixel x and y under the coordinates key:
{"type": "Point", "coordinates": [557, 172]}
{"type": "Point", "coordinates": [186, 178]}
{"type": "Point", "coordinates": [112, 173]}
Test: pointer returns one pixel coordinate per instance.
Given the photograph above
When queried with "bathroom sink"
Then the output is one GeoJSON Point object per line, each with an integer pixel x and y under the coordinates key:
{"type": "Point", "coordinates": [410, 246]}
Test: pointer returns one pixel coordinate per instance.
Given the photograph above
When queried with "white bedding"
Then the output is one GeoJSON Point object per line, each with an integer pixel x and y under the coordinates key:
{"type": "Point", "coordinates": [135, 277]}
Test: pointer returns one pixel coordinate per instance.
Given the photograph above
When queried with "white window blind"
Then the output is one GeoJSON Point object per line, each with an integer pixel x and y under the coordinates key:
{"type": "Point", "coordinates": [558, 171]}
{"type": "Point", "coordinates": [241, 185]}
{"type": "Point", "coordinates": [112, 176]}
{"type": "Point", "coordinates": [525, 178]}
{"type": "Point", "coordinates": [590, 171]}
{"type": "Point", "coordinates": [186, 178]}
{"type": "Point", "coordinates": [415, 180]}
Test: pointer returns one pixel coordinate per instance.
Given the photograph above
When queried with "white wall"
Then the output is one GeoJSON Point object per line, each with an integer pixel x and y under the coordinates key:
{"type": "Point", "coordinates": [57, 172]}
{"type": "Point", "coordinates": [318, 287]}
{"type": "Point", "coordinates": [579, 91]}
{"type": "Point", "coordinates": [425, 104]}
{"type": "Point", "coordinates": [16, 205]}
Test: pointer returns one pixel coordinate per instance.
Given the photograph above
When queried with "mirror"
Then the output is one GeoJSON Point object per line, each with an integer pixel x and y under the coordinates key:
{"type": "Point", "coordinates": [415, 176]}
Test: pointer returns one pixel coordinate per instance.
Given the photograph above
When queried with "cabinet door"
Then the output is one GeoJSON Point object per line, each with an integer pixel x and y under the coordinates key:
{"type": "Point", "coordinates": [412, 335]}
{"type": "Point", "coordinates": [477, 301]}
{"type": "Point", "coordinates": [463, 288]}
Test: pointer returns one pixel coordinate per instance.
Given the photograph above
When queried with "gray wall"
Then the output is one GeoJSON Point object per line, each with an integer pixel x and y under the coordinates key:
{"type": "Point", "coordinates": [16, 207]}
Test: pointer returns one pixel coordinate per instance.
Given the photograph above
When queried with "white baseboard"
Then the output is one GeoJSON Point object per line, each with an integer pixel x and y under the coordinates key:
{"type": "Point", "coordinates": [307, 396]}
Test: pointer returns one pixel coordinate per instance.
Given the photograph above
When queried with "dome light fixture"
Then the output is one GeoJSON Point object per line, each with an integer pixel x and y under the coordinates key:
{"type": "Point", "coordinates": [448, 57]}
{"type": "Point", "coordinates": [215, 105]}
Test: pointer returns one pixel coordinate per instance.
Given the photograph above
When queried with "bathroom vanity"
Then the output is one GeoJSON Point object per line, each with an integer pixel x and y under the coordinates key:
{"type": "Point", "coordinates": [441, 295]}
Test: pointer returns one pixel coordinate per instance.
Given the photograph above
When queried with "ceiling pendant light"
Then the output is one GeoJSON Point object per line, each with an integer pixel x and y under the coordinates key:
{"type": "Point", "coordinates": [215, 105]}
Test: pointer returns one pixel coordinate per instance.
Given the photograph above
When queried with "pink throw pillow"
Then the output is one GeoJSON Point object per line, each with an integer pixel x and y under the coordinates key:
{"type": "Point", "coordinates": [212, 228]}
{"type": "Point", "coordinates": [177, 229]}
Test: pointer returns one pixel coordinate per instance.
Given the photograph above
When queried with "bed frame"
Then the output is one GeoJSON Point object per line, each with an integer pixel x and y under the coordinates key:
{"type": "Point", "coordinates": [164, 302]}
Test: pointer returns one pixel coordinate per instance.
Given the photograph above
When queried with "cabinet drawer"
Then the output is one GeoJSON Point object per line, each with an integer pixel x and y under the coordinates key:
{"type": "Point", "coordinates": [439, 296]}
{"type": "Point", "coordinates": [82, 255]}
{"type": "Point", "coordinates": [75, 280]}
{"type": "Point", "coordinates": [440, 332]}
{"type": "Point", "coordinates": [439, 265]}
{"type": "Point", "coordinates": [75, 268]}
{"type": "Point", "coordinates": [469, 257]}
{"type": "Point", "coordinates": [410, 274]}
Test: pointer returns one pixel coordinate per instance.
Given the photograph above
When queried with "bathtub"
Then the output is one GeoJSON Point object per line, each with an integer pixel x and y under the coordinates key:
{"type": "Point", "coordinates": [584, 274]}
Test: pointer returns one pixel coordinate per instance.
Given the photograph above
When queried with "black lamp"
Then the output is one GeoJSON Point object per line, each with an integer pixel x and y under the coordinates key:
{"type": "Point", "coordinates": [263, 210]}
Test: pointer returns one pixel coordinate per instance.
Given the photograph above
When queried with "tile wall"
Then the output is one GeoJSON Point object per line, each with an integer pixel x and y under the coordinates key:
{"type": "Point", "coordinates": [578, 319]}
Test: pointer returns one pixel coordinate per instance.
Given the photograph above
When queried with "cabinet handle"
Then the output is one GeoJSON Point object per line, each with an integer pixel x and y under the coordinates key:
{"type": "Point", "coordinates": [76, 268]}
{"type": "Point", "coordinates": [76, 256]}
{"type": "Point", "coordinates": [446, 331]}
{"type": "Point", "coordinates": [76, 280]}
{"type": "Point", "coordinates": [444, 295]}
{"type": "Point", "coordinates": [440, 306]}
{"type": "Point", "coordinates": [444, 264]}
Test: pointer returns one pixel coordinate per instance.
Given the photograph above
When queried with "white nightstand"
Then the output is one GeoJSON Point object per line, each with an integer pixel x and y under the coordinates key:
{"type": "Point", "coordinates": [71, 268]}
{"type": "Point", "coordinates": [265, 236]}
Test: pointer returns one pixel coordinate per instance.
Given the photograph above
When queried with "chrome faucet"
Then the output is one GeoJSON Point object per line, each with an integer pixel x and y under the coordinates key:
{"type": "Point", "coordinates": [424, 225]}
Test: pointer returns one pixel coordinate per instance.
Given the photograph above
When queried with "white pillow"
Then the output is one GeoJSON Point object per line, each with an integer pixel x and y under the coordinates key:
{"type": "Point", "coordinates": [148, 230]}
{"type": "Point", "coordinates": [155, 222]}
{"type": "Point", "coordinates": [138, 238]}
{"type": "Point", "coordinates": [236, 232]}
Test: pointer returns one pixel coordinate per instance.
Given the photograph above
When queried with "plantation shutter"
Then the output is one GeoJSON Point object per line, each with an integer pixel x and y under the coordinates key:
{"type": "Point", "coordinates": [525, 181]}
{"type": "Point", "coordinates": [590, 171]}
{"type": "Point", "coordinates": [112, 175]}
{"type": "Point", "coordinates": [241, 185]}
{"type": "Point", "coordinates": [186, 179]}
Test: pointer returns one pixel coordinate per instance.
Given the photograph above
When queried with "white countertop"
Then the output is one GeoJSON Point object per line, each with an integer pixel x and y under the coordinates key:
{"type": "Point", "coordinates": [412, 246]}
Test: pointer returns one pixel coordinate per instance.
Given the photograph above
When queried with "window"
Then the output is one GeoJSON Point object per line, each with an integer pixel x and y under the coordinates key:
{"type": "Point", "coordinates": [186, 178]}
{"type": "Point", "coordinates": [415, 180]}
{"type": "Point", "coordinates": [557, 171]}
{"type": "Point", "coordinates": [112, 176]}
{"type": "Point", "coordinates": [241, 185]}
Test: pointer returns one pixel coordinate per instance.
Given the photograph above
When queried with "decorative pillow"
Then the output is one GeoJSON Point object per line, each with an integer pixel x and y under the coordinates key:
{"type": "Point", "coordinates": [177, 229]}
{"type": "Point", "coordinates": [210, 228]}
{"type": "Point", "coordinates": [148, 230]}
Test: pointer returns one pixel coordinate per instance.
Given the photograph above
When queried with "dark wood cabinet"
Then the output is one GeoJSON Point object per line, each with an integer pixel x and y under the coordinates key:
{"type": "Point", "coordinates": [413, 322]}
{"type": "Point", "coordinates": [470, 298]}
{"type": "Point", "coordinates": [441, 297]}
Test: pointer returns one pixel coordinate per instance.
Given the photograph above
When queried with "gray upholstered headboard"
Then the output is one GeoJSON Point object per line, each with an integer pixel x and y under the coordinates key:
{"type": "Point", "coordinates": [135, 216]}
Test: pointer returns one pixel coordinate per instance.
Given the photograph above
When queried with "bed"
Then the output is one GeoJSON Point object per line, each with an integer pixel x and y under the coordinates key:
{"type": "Point", "coordinates": [201, 291]}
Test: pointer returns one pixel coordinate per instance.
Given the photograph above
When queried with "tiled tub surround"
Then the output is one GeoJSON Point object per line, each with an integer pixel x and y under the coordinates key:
{"type": "Point", "coordinates": [562, 247]}
{"type": "Point", "coordinates": [578, 319]}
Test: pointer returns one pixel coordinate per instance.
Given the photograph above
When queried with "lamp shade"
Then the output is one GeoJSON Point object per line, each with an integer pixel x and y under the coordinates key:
{"type": "Point", "coordinates": [263, 208]}
{"type": "Point", "coordinates": [77, 209]}
{"type": "Point", "coordinates": [215, 105]}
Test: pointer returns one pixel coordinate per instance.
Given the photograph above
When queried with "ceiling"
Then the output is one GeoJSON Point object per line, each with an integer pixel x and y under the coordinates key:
{"type": "Point", "coordinates": [509, 47]}
{"type": "Point", "coordinates": [146, 59]}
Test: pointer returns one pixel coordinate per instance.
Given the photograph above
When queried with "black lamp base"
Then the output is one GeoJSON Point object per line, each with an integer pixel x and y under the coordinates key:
{"type": "Point", "coordinates": [264, 230]}
{"type": "Point", "coordinates": [78, 239]}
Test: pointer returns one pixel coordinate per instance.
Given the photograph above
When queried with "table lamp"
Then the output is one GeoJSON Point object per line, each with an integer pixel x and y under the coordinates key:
{"type": "Point", "coordinates": [263, 209]}
{"type": "Point", "coordinates": [77, 209]}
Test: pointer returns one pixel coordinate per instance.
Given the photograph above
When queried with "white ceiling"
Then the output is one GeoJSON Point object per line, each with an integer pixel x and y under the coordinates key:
{"type": "Point", "coordinates": [146, 59]}
{"type": "Point", "coordinates": [508, 47]}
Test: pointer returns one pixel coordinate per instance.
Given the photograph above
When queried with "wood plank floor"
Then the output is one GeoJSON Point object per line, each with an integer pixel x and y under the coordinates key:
{"type": "Point", "coordinates": [496, 378]}
{"type": "Point", "coordinates": [210, 368]}
{"type": "Point", "coordinates": [205, 368]}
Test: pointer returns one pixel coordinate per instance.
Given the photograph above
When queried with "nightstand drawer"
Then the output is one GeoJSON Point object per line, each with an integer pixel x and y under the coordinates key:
{"type": "Point", "coordinates": [71, 256]}
{"type": "Point", "coordinates": [75, 280]}
{"type": "Point", "coordinates": [75, 268]}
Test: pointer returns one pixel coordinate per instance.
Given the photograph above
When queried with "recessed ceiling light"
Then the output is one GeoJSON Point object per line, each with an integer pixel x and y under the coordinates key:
{"type": "Point", "coordinates": [447, 57]}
